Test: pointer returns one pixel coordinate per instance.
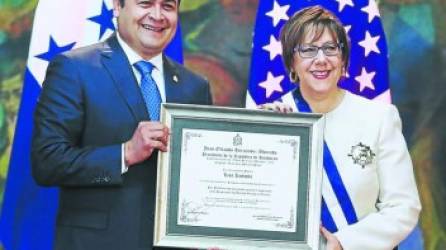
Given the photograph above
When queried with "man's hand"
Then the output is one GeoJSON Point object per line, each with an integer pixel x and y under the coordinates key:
{"type": "Point", "coordinates": [332, 242]}
{"type": "Point", "coordinates": [147, 137]}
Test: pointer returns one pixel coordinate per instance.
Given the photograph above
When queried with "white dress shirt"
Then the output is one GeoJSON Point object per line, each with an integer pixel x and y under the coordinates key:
{"type": "Point", "coordinates": [157, 75]}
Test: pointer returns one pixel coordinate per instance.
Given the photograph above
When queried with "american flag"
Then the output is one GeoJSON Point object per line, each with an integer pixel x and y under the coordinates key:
{"type": "Point", "coordinates": [28, 214]}
{"type": "Point", "coordinates": [368, 72]}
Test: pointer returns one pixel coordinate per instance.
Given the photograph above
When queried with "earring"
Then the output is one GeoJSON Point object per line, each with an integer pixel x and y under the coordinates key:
{"type": "Point", "coordinates": [293, 77]}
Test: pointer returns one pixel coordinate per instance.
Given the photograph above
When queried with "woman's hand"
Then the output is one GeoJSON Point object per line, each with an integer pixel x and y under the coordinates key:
{"type": "Point", "coordinates": [332, 242]}
{"type": "Point", "coordinates": [277, 106]}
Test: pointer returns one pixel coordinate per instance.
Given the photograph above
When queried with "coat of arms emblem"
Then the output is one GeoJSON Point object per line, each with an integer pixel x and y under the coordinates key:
{"type": "Point", "coordinates": [237, 140]}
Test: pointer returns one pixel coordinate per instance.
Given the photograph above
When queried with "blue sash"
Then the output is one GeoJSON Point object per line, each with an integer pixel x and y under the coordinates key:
{"type": "Point", "coordinates": [333, 176]}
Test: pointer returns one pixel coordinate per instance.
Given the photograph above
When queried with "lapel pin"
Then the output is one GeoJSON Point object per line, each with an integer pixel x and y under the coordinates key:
{"type": "Point", "coordinates": [175, 78]}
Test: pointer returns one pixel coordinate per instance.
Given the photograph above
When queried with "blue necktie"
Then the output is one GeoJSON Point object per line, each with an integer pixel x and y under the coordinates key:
{"type": "Point", "coordinates": [149, 90]}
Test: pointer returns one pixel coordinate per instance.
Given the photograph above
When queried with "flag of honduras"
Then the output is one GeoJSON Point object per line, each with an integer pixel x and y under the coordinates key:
{"type": "Point", "coordinates": [28, 213]}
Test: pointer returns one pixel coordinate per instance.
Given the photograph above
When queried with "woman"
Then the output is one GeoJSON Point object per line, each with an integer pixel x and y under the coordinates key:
{"type": "Point", "coordinates": [370, 199]}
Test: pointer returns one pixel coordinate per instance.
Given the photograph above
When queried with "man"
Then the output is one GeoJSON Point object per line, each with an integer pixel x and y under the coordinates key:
{"type": "Point", "coordinates": [96, 135]}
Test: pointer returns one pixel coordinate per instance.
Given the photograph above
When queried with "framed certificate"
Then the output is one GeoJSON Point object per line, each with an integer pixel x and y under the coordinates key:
{"type": "Point", "coordinates": [239, 179]}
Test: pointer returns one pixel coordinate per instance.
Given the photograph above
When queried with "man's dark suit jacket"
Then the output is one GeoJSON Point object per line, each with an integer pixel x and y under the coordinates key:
{"type": "Point", "coordinates": [90, 104]}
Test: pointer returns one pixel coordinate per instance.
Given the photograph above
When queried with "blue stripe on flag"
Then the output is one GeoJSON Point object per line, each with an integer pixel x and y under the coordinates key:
{"type": "Point", "coordinates": [175, 47]}
{"type": "Point", "coordinates": [27, 220]}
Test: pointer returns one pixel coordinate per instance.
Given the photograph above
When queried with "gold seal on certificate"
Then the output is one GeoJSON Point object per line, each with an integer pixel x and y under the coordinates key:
{"type": "Point", "coordinates": [239, 179]}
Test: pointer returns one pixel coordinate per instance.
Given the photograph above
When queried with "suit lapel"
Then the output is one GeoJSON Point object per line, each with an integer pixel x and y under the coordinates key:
{"type": "Point", "coordinates": [172, 81]}
{"type": "Point", "coordinates": [118, 66]}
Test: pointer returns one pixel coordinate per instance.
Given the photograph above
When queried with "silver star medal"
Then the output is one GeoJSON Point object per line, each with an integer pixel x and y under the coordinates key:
{"type": "Point", "coordinates": [361, 154]}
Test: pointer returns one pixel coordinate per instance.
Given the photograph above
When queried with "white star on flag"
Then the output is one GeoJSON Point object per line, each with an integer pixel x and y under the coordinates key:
{"type": "Point", "coordinates": [278, 13]}
{"type": "Point", "coordinates": [274, 47]}
{"type": "Point", "coordinates": [272, 84]}
{"type": "Point", "coordinates": [371, 10]}
{"type": "Point", "coordinates": [347, 28]}
{"type": "Point", "coordinates": [370, 44]}
{"type": "Point", "coordinates": [365, 80]}
{"type": "Point", "coordinates": [343, 3]}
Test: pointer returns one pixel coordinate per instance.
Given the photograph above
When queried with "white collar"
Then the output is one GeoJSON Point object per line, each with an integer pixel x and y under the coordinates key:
{"type": "Point", "coordinates": [133, 57]}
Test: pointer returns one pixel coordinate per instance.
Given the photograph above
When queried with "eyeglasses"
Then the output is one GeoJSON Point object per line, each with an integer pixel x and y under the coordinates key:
{"type": "Point", "coordinates": [310, 51]}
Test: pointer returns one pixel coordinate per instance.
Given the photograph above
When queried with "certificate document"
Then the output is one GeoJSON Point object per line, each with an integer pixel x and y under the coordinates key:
{"type": "Point", "coordinates": [238, 180]}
